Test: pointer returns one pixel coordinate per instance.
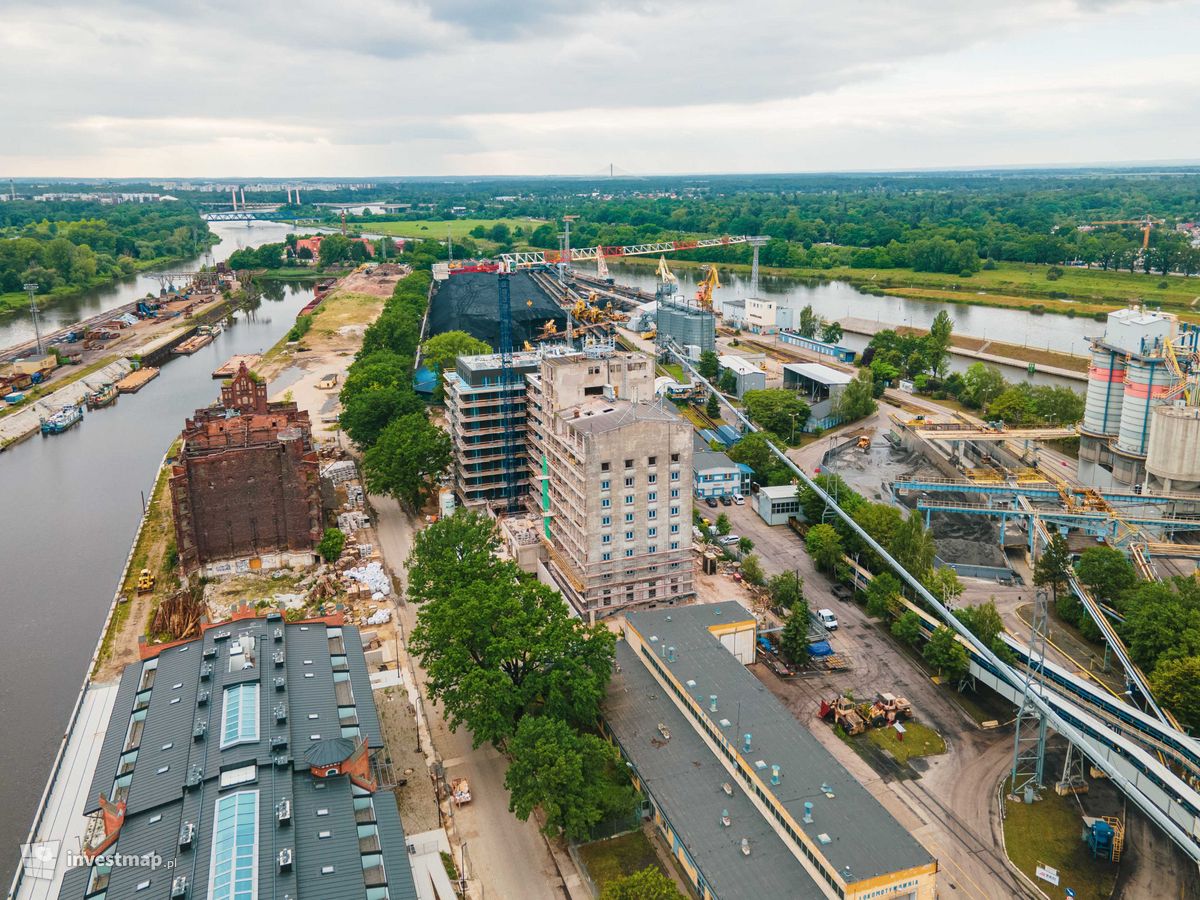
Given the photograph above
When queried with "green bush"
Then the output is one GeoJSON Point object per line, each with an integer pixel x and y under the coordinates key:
{"type": "Point", "coordinates": [300, 329]}
{"type": "Point", "coordinates": [332, 544]}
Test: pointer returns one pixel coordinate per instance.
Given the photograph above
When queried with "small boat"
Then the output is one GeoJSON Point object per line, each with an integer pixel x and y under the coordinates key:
{"type": "Point", "coordinates": [63, 419]}
{"type": "Point", "coordinates": [100, 398]}
{"type": "Point", "coordinates": [214, 329]}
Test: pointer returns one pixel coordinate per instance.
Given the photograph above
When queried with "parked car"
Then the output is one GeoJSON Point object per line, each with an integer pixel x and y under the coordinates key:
{"type": "Point", "coordinates": [710, 501]}
{"type": "Point", "coordinates": [728, 540]}
{"type": "Point", "coordinates": [828, 619]}
{"type": "Point", "coordinates": [725, 501]}
{"type": "Point", "coordinates": [739, 500]}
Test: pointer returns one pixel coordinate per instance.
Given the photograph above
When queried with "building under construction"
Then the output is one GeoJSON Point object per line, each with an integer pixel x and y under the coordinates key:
{"type": "Point", "coordinates": [466, 301]}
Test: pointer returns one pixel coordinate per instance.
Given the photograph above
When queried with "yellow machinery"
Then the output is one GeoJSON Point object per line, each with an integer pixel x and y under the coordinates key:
{"type": "Point", "coordinates": [650, 335]}
{"type": "Point", "coordinates": [145, 583]}
{"type": "Point", "coordinates": [709, 283]}
{"type": "Point", "coordinates": [665, 275]}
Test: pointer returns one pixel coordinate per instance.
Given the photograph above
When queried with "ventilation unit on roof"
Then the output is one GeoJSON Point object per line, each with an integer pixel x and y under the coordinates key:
{"type": "Point", "coordinates": [283, 760]}
{"type": "Point", "coordinates": [278, 635]}
{"type": "Point", "coordinates": [283, 811]}
{"type": "Point", "coordinates": [725, 820]}
{"type": "Point", "coordinates": [277, 658]}
{"type": "Point", "coordinates": [808, 812]}
{"type": "Point", "coordinates": [209, 652]}
{"type": "Point", "coordinates": [280, 683]}
{"type": "Point", "coordinates": [199, 730]}
{"type": "Point", "coordinates": [285, 859]}
{"type": "Point", "coordinates": [222, 635]}
{"type": "Point", "coordinates": [194, 778]}
{"type": "Point", "coordinates": [179, 886]}
{"type": "Point", "coordinates": [202, 698]}
{"type": "Point", "coordinates": [745, 846]}
{"type": "Point", "coordinates": [187, 834]}
{"type": "Point", "coordinates": [280, 712]}
{"type": "Point", "coordinates": [727, 788]}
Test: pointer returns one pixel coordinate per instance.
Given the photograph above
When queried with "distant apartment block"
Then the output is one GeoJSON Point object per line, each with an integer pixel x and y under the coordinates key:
{"type": "Point", "coordinates": [245, 490]}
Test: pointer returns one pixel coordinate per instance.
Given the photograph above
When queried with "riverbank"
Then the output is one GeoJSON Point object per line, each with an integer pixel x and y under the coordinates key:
{"type": "Point", "coordinates": [1078, 292]}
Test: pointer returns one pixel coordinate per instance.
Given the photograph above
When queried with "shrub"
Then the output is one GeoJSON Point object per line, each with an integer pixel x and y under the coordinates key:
{"type": "Point", "coordinates": [300, 329]}
{"type": "Point", "coordinates": [1054, 273]}
{"type": "Point", "coordinates": [1162, 285]}
{"type": "Point", "coordinates": [989, 264]}
{"type": "Point", "coordinates": [332, 543]}
{"type": "Point", "coordinates": [1037, 310]}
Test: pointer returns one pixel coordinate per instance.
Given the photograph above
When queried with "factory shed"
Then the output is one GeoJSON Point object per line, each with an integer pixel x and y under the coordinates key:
{"type": "Point", "coordinates": [821, 386]}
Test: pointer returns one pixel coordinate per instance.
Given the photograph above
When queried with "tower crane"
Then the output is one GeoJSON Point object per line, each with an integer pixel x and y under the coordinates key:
{"type": "Point", "coordinates": [1146, 223]}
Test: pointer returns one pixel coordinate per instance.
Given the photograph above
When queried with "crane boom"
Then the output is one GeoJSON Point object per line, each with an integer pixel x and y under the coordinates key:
{"type": "Point", "coordinates": [542, 257]}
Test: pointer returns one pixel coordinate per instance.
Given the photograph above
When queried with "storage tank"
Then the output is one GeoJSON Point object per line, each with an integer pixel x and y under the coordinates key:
{"type": "Point", "coordinates": [1105, 391]}
{"type": "Point", "coordinates": [1146, 381]}
{"type": "Point", "coordinates": [1173, 454]}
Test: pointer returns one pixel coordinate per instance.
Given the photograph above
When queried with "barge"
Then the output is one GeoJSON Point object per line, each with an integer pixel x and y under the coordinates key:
{"type": "Point", "coordinates": [192, 344]}
{"type": "Point", "coordinates": [102, 397]}
{"type": "Point", "coordinates": [65, 418]}
{"type": "Point", "coordinates": [137, 379]}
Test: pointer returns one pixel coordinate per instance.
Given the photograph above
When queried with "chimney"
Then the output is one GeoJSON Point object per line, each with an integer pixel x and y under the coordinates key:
{"type": "Point", "coordinates": [233, 194]}
{"type": "Point", "coordinates": [808, 812]}
{"type": "Point", "coordinates": [746, 742]}
{"type": "Point", "coordinates": [297, 196]}
{"type": "Point", "coordinates": [712, 702]}
{"type": "Point", "coordinates": [774, 774]}
{"type": "Point", "coordinates": [243, 198]}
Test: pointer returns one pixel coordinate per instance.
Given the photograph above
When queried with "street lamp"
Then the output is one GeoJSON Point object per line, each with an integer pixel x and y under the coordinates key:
{"type": "Point", "coordinates": [31, 288]}
{"type": "Point", "coordinates": [462, 870]}
{"type": "Point", "coordinates": [793, 428]}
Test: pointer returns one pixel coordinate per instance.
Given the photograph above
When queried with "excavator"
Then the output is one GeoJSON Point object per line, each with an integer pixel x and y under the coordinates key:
{"type": "Point", "coordinates": [709, 283]}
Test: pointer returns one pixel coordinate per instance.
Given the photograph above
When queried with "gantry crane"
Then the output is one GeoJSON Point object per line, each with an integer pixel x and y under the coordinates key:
{"type": "Point", "coordinates": [571, 254]}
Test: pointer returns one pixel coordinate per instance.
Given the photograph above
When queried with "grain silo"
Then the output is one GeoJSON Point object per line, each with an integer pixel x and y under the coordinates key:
{"type": "Point", "coordinates": [1173, 452]}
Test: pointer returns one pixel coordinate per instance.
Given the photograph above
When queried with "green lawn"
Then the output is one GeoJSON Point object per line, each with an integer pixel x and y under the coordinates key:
{"type": "Point", "coordinates": [617, 857]}
{"type": "Point", "coordinates": [457, 228]}
{"type": "Point", "coordinates": [1048, 832]}
{"type": "Point", "coordinates": [919, 740]}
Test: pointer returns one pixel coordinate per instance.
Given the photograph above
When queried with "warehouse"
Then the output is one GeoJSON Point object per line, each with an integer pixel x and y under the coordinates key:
{"type": "Point", "coordinates": [749, 377]}
{"type": "Point", "coordinates": [821, 387]}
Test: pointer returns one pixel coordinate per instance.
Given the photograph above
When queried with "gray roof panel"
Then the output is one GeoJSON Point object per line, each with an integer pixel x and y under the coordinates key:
{"type": "Point", "coordinates": [114, 738]}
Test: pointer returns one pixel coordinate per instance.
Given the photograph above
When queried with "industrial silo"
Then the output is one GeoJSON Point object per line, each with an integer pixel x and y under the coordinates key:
{"type": "Point", "coordinates": [1147, 379]}
{"type": "Point", "coordinates": [1105, 391]}
{"type": "Point", "coordinates": [1173, 453]}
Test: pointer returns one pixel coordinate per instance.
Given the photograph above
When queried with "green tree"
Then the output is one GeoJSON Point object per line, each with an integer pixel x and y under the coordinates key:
{"type": "Point", "coordinates": [779, 411]}
{"type": "Point", "coordinates": [754, 450]}
{"type": "Point", "coordinates": [745, 545]}
{"type": "Point", "coordinates": [1162, 621]}
{"type": "Point", "coordinates": [334, 248]}
{"type": "Point", "coordinates": [441, 351]}
{"type": "Point", "coordinates": [410, 453]}
{"type": "Point", "coordinates": [907, 628]}
{"type": "Point", "coordinates": [912, 546]}
{"type": "Point", "coordinates": [646, 884]}
{"type": "Point", "coordinates": [810, 323]}
{"type": "Point", "coordinates": [752, 569]}
{"type": "Point", "coordinates": [451, 554]}
{"type": "Point", "coordinates": [378, 389]}
{"type": "Point", "coordinates": [824, 546]}
{"type": "Point", "coordinates": [728, 382]}
{"type": "Point", "coordinates": [981, 385]}
{"type": "Point", "coordinates": [1050, 569]}
{"type": "Point", "coordinates": [331, 544]}
{"type": "Point", "coordinates": [709, 365]}
{"type": "Point", "coordinates": [946, 654]}
{"type": "Point", "coordinates": [832, 332]}
{"type": "Point", "coordinates": [880, 521]}
{"type": "Point", "coordinates": [724, 526]}
{"type": "Point", "coordinates": [1014, 406]}
{"type": "Point", "coordinates": [1106, 572]}
{"type": "Point", "coordinates": [1176, 684]}
{"type": "Point", "coordinates": [572, 777]}
{"type": "Point", "coordinates": [498, 649]}
{"type": "Point", "coordinates": [858, 398]}
{"type": "Point", "coordinates": [882, 593]}
{"type": "Point", "coordinates": [938, 341]}
{"type": "Point", "coordinates": [787, 589]}
{"type": "Point", "coordinates": [985, 623]}
{"type": "Point", "coordinates": [943, 583]}
{"type": "Point", "coordinates": [793, 640]}
{"type": "Point", "coordinates": [712, 407]}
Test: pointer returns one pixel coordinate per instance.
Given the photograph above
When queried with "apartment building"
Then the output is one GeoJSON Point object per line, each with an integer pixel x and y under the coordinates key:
{"type": "Point", "coordinates": [475, 400]}
{"type": "Point", "coordinates": [615, 468]}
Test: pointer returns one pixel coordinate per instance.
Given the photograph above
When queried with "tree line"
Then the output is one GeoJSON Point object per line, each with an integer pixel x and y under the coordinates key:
{"type": "Point", "coordinates": [64, 247]}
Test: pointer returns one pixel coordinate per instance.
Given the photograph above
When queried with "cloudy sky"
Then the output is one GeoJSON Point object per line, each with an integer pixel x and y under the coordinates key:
{"type": "Point", "coordinates": [126, 88]}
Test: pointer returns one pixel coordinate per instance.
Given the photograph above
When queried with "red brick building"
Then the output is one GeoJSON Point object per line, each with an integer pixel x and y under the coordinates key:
{"type": "Point", "coordinates": [245, 491]}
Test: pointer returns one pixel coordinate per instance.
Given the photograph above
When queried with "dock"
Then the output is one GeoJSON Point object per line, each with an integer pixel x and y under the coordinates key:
{"type": "Point", "coordinates": [136, 380]}
{"type": "Point", "coordinates": [229, 368]}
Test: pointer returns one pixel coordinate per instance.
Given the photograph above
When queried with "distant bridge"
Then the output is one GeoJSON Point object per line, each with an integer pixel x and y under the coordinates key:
{"type": "Point", "coordinates": [241, 215]}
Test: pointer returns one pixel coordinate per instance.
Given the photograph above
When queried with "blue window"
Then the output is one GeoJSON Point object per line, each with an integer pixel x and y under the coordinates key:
{"type": "Point", "coordinates": [674, 510]}
{"type": "Point", "coordinates": [674, 476]}
{"type": "Point", "coordinates": [674, 528]}
{"type": "Point", "coordinates": [606, 521]}
{"type": "Point", "coordinates": [604, 485]}
{"type": "Point", "coordinates": [652, 478]}
{"type": "Point", "coordinates": [233, 869]}
{"type": "Point", "coordinates": [629, 498]}
{"type": "Point", "coordinates": [628, 518]}
{"type": "Point", "coordinates": [651, 496]}
{"type": "Point", "coordinates": [605, 556]}
{"type": "Point", "coordinates": [606, 539]}
{"type": "Point", "coordinates": [605, 503]}
{"type": "Point", "coordinates": [652, 514]}
{"type": "Point", "coordinates": [629, 552]}
{"type": "Point", "coordinates": [629, 535]}
{"type": "Point", "coordinates": [674, 545]}
{"type": "Point", "coordinates": [674, 493]}
{"type": "Point", "coordinates": [651, 531]}
{"type": "Point", "coordinates": [239, 717]}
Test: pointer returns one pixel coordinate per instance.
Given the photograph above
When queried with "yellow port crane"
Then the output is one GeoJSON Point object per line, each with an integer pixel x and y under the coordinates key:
{"type": "Point", "coordinates": [709, 283]}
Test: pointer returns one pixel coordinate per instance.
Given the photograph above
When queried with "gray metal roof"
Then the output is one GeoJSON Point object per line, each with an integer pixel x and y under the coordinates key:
{"type": "Point", "coordinates": [597, 416]}
{"type": "Point", "coordinates": [684, 778]}
{"type": "Point", "coordinates": [321, 673]}
{"type": "Point", "coordinates": [865, 839]}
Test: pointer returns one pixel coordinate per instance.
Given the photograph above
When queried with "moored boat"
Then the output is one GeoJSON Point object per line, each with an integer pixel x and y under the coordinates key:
{"type": "Point", "coordinates": [101, 397]}
{"type": "Point", "coordinates": [60, 421]}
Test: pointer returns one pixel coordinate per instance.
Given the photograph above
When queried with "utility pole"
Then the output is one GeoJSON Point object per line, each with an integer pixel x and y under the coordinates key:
{"type": "Point", "coordinates": [31, 288]}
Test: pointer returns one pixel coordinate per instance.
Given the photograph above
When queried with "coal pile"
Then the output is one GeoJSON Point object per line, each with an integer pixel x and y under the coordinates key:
{"type": "Point", "coordinates": [468, 302]}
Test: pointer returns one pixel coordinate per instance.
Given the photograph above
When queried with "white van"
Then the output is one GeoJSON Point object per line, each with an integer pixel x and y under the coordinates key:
{"type": "Point", "coordinates": [828, 619]}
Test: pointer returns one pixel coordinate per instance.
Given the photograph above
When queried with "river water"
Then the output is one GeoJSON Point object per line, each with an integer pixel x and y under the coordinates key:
{"type": "Point", "coordinates": [839, 300]}
{"type": "Point", "coordinates": [69, 506]}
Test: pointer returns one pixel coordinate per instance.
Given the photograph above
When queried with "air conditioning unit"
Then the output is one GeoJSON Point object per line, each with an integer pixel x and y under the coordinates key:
{"type": "Point", "coordinates": [279, 742]}
{"type": "Point", "coordinates": [199, 730]}
{"type": "Point", "coordinates": [186, 835]}
{"type": "Point", "coordinates": [278, 635]}
{"type": "Point", "coordinates": [277, 658]}
{"type": "Point", "coordinates": [206, 671]}
{"type": "Point", "coordinates": [209, 652]}
{"type": "Point", "coordinates": [179, 887]}
{"type": "Point", "coordinates": [283, 811]}
{"type": "Point", "coordinates": [285, 859]}
{"type": "Point", "coordinates": [280, 683]}
{"type": "Point", "coordinates": [281, 712]}
{"type": "Point", "coordinates": [202, 698]}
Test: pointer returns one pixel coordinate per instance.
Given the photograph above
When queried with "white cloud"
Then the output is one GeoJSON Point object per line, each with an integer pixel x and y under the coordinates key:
{"type": "Point", "coordinates": [123, 88]}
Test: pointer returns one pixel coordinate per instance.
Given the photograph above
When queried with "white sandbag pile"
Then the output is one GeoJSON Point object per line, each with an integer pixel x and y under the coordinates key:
{"type": "Point", "coordinates": [379, 617]}
{"type": "Point", "coordinates": [373, 576]}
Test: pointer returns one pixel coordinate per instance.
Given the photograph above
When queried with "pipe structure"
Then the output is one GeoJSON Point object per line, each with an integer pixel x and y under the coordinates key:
{"type": "Point", "coordinates": [1177, 834]}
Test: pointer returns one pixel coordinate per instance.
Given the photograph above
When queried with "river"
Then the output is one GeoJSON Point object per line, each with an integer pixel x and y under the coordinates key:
{"type": "Point", "coordinates": [69, 506]}
{"type": "Point", "coordinates": [839, 300]}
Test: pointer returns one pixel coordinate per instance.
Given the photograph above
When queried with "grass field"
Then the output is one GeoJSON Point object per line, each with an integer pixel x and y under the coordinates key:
{"type": "Point", "coordinates": [919, 740]}
{"type": "Point", "coordinates": [433, 230]}
{"type": "Point", "coordinates": [617, 857]}
{"type": "Point", "coordinates": [1047, 832]}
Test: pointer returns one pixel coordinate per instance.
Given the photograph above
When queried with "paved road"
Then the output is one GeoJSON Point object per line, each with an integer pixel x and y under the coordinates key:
{"type": "Point", "coordinates": [508, 856]}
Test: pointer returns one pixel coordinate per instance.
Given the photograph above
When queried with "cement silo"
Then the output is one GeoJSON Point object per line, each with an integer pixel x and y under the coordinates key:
{"type": "Point", "coordinates": [1105, 391]}
{"type": "Point", "coordinates": [1173, 453]}
{"type": "Point", "coordinates": [1147, 381]}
